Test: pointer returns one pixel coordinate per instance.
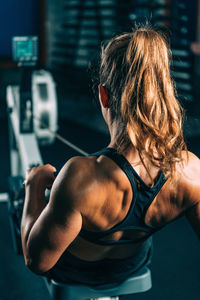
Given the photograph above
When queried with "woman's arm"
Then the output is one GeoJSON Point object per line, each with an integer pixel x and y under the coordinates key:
{"type": "Point", "coordinates": [193, 216]}
{"type": "Point", "coordinates": [190, 187]}
{"type": "Point", "coordinates": [47, 230]}
{"type": "Point", "coordinates": [38, 179]}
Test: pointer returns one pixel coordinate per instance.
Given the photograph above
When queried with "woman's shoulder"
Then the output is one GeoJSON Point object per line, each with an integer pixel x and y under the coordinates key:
{"type": "Point", "coordinates": [190, 170]}
{"type": "Point", "coordinates": [189, 179]}
{"type": "Point", "coordinates": [77, 171]}
{"type": "Point", "coordinates": [78, 180]}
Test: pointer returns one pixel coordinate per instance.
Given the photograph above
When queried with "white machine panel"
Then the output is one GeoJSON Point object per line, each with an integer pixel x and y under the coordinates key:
{"type": "Point", "coordinates": [44, 106]}
{"type": "Point", "coordinates": [27, 151]}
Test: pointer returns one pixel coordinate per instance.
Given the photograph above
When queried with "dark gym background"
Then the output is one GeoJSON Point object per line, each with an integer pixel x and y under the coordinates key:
{"type": "Point", "coordinates": [70, 34]}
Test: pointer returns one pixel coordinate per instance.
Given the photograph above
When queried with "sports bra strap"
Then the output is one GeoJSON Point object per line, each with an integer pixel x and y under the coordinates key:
{"type": "Point", "coordinates": [142, 199]}
{"type": "Point", "coordinates": [121, 161]}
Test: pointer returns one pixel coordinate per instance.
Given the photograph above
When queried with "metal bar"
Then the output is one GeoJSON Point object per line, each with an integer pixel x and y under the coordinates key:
{"type": "Point", "coordinates": [62, 139]}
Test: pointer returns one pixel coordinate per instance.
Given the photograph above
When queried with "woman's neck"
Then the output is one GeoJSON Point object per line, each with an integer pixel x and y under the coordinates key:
{"type": "Point", "coordinates": [142, 164]}
{"type": "Point", "coordinates": [116, 129]}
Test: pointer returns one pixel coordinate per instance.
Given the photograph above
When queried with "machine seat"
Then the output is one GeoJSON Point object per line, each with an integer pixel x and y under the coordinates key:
{"type": "Point", "coordinates": [138, 283]}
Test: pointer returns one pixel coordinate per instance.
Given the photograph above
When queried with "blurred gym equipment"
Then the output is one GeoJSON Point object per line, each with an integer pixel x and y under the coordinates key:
{"type": "Point", "coordinates": [36, 96]}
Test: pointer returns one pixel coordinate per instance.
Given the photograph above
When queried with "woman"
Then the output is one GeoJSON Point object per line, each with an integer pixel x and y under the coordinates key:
{"type": "Point", "coordinates": [104, 208]}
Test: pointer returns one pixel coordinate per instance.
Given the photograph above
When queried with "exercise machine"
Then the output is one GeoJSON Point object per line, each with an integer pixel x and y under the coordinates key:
{"type": "Point", "coordinates": [32, 117]}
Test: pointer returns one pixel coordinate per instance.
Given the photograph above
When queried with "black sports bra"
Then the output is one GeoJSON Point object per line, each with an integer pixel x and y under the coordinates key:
{"type": "Point", "coordinates": [143, 196]}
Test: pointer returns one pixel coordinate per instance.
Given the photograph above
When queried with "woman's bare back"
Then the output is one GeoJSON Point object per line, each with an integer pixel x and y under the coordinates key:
{"type": "Point", "coordinates": [111, 201]}
{"type": "Point", "coordinates": [95, 194]}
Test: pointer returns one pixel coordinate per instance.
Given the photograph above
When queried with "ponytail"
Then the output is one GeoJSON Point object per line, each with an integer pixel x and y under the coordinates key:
{"type": "Point", "coordinates": [144, 93]}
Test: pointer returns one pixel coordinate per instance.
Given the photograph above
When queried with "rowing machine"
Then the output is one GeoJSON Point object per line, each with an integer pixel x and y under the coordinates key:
{"type": "Point", "coordinates": [35, 96]}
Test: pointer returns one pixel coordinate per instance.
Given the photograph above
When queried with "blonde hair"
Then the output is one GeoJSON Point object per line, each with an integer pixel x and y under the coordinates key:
{"type": "Point", "coordinates": [135, 69]}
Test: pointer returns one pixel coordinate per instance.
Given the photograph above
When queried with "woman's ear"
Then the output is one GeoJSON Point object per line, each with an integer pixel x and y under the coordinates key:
{"type": "Point", "coordinates": [103, 97]}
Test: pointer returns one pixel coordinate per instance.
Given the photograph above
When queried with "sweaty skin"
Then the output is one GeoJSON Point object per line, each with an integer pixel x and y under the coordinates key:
{"type": "Point", "coordinates": [96, 194]}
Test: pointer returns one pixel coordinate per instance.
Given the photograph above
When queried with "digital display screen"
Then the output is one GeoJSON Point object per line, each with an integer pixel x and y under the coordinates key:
{"type": "Point", "coordinates": [25, 49]}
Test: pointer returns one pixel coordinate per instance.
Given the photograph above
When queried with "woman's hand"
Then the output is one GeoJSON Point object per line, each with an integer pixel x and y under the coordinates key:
{"type": "Point", "coordinates": [42, 176]}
